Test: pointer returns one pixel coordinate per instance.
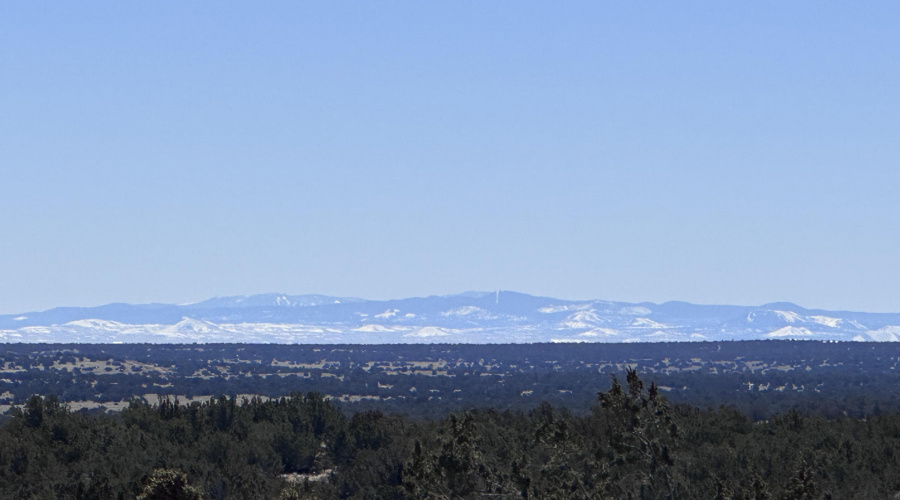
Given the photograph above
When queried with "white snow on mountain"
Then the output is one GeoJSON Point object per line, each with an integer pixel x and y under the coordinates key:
{"type": "Point", "coordinates": [663, 336]}
{"type": "Point", "coordinates": [587, 316]}
{"type": "Point", "coordinates": [790, 331]}
{"type": "Point", "coordinates": [463, 311]}
{"type": "Point", "coordinates": [466, 318]}
{"type": "Point", "coordinates": [826, 321]}
{"type": "Point", "coordinates": [792, 317]}
{"type": "Point", "coordinates": [98, 324]}
{"type": "Point", "coordinates": [574, 325]}
{"type": "Point", "coordinates": [373, 328]}
{"type": "Point", "coordinates": [563, 308]}
{"type": "Point", "coordinates": [188, 326]}
{"type": "Point", "coordinates": [647, 323]}
{"type": "Point", "coordinates": [788, 316]}
{"type": "Point", "coordinates": [599, 332]}
{"type": "Point", "coordinates": [582, 319]}
{"type": "Point", "coordinates": [431, 331]}
{"type": "Point", "coordinates": [886, 334]}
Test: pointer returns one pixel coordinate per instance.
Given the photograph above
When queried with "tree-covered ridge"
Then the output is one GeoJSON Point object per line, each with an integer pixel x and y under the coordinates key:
{"type": "Point", "coordinates": [632, 444]}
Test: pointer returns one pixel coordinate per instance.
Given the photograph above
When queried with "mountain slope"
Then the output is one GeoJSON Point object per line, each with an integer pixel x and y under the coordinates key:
{"type": "Point", "coordinates": [471, 317]}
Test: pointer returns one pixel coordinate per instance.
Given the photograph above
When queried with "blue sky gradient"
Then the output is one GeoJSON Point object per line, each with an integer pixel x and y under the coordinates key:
{"type": "Point", "coordinates": [712, 152]}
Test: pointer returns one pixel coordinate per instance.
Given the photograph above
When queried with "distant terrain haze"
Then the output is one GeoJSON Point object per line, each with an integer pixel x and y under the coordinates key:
{"type": "Point", "coordinates": [497, 317]}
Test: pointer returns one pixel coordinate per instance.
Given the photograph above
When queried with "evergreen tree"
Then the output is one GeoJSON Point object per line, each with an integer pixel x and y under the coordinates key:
{"type": "Point", "coordinates": [641, 434]}
{"type": "Point", "coordinates": [169, 484]}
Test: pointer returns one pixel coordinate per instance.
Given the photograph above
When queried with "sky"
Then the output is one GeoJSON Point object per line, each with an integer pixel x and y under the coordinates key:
{"type": "Point", "coordinates": [710, 152]}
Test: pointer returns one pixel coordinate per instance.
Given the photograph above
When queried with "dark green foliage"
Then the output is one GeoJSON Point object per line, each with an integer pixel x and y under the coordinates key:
{"type": "Point", "coordinates": [227, 448]}
{"type": "Point", "coordinates": [642, 438]}
{"type": "Point", "coordinates": [168, 484]}
{"type": "Point", "coordinates": [633, 444]}
{"type": "Point", "coordinates": [802, 486]}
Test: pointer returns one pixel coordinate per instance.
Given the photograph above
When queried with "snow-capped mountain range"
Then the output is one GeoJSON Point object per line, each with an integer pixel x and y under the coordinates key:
{"type": "Point", "coordinates": [472, 317]}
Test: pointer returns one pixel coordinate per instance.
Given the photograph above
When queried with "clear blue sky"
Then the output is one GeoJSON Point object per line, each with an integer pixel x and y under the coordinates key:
{"type": "Point", "coordinates": [713, 152]}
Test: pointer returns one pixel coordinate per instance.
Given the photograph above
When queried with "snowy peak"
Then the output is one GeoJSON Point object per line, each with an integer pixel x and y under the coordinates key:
{"type": "Point", "coordinates": [188, 326]}
{"type": "Point", "coordinates": [472, 317]}
{"type": "Point", "coordinates": [95, 324]}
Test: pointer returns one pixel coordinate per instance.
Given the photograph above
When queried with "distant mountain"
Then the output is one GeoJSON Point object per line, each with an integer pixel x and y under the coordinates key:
{"type": "Point", "coordinates": [269, 300]}
{"type": "Point", "coordinates": [471, 317]}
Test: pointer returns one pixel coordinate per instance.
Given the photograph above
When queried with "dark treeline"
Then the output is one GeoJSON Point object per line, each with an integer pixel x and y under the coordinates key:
{"type": "Point", "coordinates": [632, 444]}
{"type": "Point", "coordinates": [760, 378]}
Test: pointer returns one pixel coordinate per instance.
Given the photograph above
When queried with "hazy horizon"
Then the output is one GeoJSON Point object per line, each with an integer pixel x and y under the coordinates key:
{"type": "Point", "coordinates": [702, 152]}
{"type": "Point", "coordinates": [810, 307]}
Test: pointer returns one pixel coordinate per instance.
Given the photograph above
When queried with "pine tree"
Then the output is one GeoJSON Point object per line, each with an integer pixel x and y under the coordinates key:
{"type": "Point", "coordinates": [169, 484]}
{"type": "Point", "coordinates": [641, 435]}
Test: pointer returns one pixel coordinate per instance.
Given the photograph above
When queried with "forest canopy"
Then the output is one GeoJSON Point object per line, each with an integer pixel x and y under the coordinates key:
{"type": "Point", "coordinates": [633, 443]}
